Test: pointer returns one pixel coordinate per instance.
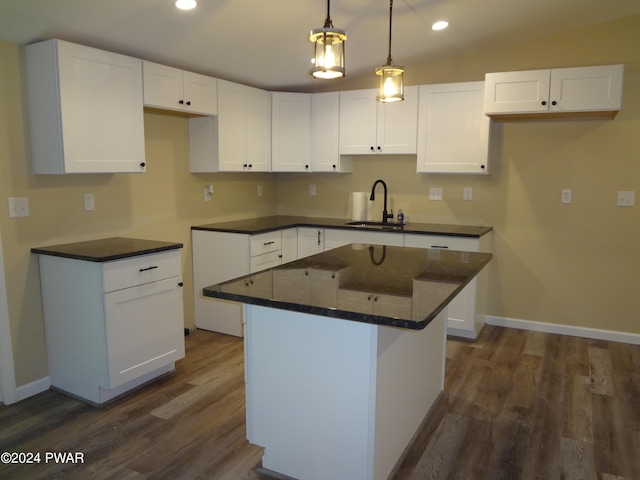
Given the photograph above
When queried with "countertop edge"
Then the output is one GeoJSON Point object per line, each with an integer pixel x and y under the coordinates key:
{"type": "Point", "coordinates": [51, 251]}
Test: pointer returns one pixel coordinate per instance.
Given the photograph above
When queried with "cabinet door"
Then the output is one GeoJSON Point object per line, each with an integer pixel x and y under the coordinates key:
{"type": "Point", "coordinates": [85, 109]}
{"type": "Point", "coordinates": [289, 245]}
{"type": "Point", "coordinates": [453, 129]}
{"type": "Point", "coordinates": [145, 329]}
{"type": "Point", "coordinates": [586, 88]}
{"type": "Point", "coordinates": [511, 92]}
{"type": "Point", "coordinates": [200, 94]}
{"type": "Point", "coordinates": [358, 122]}
{"type": "Point", "coordinates": [398, 124]}
{"type": "Point", "coordinates": [163, 86]}
{"type": "Point", "coordinates": [232, 127]}
{"type": "Point", "coordinates": [291, 132]}
{"type": "Point", "coordinates": [310, 241]}
{"type": "Point", "coordinates": [325, 134]}
{"type": "Point", "coordinates": [258, 127]}
{"type": "Point", "coordinates": [338, 237]}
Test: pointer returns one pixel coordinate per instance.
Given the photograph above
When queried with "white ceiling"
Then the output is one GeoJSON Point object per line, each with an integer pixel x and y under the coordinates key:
{"type": "Point", "coordinates": [265, 43]}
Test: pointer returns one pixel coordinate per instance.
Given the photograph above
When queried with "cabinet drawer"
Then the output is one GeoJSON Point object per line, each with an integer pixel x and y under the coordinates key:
{"type": "Point", "coordinates": [264, 261]}
{"type": "Point", "coordinates": [265, 242]}
{"type": "Point", "coordinates": [133, 271]}
{"type": "Point", "coordinates": [467, 244]}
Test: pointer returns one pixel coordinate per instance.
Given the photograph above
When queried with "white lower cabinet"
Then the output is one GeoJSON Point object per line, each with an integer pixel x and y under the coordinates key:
{"type": "Point", "coordinates": [334, 238]}
{"type": "Point", "coordinates": [464, 319]}
{"type": "Point", "coordinates": [310, 241]}
{"type": "Point", "coordinates": [111, 326]}
{"type": "Point", "coordinates": [222, 256]}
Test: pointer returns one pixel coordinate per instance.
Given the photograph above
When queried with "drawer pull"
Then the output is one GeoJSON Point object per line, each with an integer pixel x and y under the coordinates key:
{"type": "Point", "coordinates": [148, 268]}
{"type": "Point", "coordinates": [269, 243]}
{"type": "Point", "coordinates": [439, 246]}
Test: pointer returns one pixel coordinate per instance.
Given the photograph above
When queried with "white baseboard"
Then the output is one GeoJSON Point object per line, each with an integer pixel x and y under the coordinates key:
{"type": "Point", "coordinates": [33, 388]}
{"type": "Point", "coordinates": [594, 333]}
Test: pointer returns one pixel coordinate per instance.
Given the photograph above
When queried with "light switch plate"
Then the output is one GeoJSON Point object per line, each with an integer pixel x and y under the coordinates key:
{"type": "Point", "coordinates": [566, 196]}
{"type": "Point", "coordinates": [259, 190]}
{"type": "Point", "coordinates": [18, 207]}
{"type": "Point", "coordinates": [435, 193]}
{"type": "Point", "coordinates": [312, 190]}
{"type": "Point", "coordinates": [467, 193]}
{"type": "Point", "coordinates": [89, 202]}
{"type": "Point", "coordinates": [626, 199]}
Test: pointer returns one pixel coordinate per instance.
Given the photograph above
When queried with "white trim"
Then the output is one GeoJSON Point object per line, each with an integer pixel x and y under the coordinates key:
{"type": "Point", "coordinates": [594, 333]}
{"type": "Point", "coordinates": [30, 389]}
{"type": "Point", "coordinates": [7, 373]}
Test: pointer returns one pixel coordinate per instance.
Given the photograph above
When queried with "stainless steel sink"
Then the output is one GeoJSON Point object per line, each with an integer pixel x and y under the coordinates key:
{"type": "Point", "coordinates": [369, 224]}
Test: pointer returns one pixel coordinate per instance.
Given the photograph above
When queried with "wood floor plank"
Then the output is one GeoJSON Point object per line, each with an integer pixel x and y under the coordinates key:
{"type": "Point", "coordinates": [601, 370]}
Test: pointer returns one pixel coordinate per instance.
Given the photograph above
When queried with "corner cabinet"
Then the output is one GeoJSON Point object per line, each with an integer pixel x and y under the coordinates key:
{"type": "Point", "coordinates": [325, 134]}
{"type": "Point", "coordinates": [85, 109]}
{"type": "Point", "coordinates": [371, 127]}
{"type": "Point", "coordinates": [596, 91]}
{"type": "Point", "coordinates": [239, 138]}
{"type": "Point", "coordinates": [174, 89]}
{"type": "Point", "coordinates": [111, 326]}
{"type": "Point", "coordinates": [453, 132]}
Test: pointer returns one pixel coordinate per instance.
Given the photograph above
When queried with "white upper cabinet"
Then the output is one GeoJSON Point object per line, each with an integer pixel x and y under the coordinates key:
{"type": "Point", "coordinates": [85, 109]}
{"type": "Point", "coordinates": [325, 134]}
{"type": "Point", "coordinates": [239, 138]}
{"type": "Point", "coordinates": [556, 92]}
{"type": "Point", "coordinates": [174, 89]}
{"type": "Point", "coordinates": [453, 131]}
{"type": "Point", "coordinates": [290, 132]}
{"type": "Point", "coordinates": [371, 127]}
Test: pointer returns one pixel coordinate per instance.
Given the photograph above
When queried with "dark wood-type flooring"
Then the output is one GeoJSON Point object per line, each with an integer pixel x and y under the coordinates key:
{"type": "Point", "coordinates": [517, 405]}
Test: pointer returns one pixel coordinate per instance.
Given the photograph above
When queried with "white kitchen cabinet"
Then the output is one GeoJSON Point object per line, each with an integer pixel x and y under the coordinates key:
{"type": "Point", "coordinates": [111, 326]}
{"type": "Point", "coordinates": [310, 286]}
{"type": "Point", "coordinates": [374, 303]}
{"type": "Point", "coordinates": [453, 131]}
{"type": "Point", "coordinates": [371, 127]}
{"type": "Point", "coordinates": [325, 134]}
{"type": "Point", "coordinates": [85, 109]}
{"type": "Point", "coordinates": [310, 241]}
{"type": "Point", "coordinates": [222, 256]}
{"type": "Point", "coordinates": [555, 92]}
{"type": "Point", "coordinates": [289, 244]}
{"type": "Point", "coordinates": [464, 319]}
{"type": "Point", "coordinates": [290, 132]}
{"type": "Point", "coordinates": [334, 238]}
{"type": "Point", "coordinates": [174, 89]}
{"type": "Point", "coordinates": [239, 138]}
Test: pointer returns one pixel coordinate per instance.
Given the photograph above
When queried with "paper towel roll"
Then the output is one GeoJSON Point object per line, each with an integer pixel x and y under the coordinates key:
{"type": "Point", "coordinates": [359, 206]}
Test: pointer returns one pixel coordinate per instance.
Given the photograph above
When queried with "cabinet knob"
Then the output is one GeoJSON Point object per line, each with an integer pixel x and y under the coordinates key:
{"type": "Point", "coordinates": [250, 165]}
{"type": "Point", "coordinates": [482, 167]}
{"type": "Point", "coordinates": [143, 164]}
{"type": "Point", "coordinates": [306, 167]}
{"type": "Point", "coordinates": [181, 102]}
{"type": "Point", "coordinates": [372, 149]}
{"type": "Point", "coordinates": [180, 284]}
{"type": "Point", "coordinates": [554, 103]}
{"type": "Point", "coordinates": [188, 103]}
{"type": "Point", "coordinates": [334, 166]}
{"type": "Point", "coordinates": [544, 102]}
{"type": "Point", "coordinates": [379, 148]}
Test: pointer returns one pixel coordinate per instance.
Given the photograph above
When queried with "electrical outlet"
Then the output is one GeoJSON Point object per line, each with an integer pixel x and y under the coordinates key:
{"type": "Point", "coordinates": [626, 199]}
{"type": "Point", "coordinates": [259, 190]}
{"type": "Point", "coordinates": [566, 196]}
{"type": "Point", "coordinates": [435, 193]}
{"type": "Point", "coordinates": [208, 192]}
{"type": "Point", "coordinates": [18, 207]}
{"type": "Point", "coordinates": [312, 190]}
{"type": "Point", "coordinates": [467, 193]}
{"type": "Point", "coordinates": [89, 202]}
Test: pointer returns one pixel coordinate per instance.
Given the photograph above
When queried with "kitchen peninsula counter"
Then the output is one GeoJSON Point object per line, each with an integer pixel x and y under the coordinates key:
{"type": "Point", "coordinates": [344, 355]}
{"type": "Point", "coordinates": [253, 226]}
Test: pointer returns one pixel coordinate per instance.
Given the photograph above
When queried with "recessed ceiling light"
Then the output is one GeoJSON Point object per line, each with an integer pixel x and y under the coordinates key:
{"type": "Point", "coordinates": [440, 25]}
{"type": "Point", "coordinates": [186, 4]}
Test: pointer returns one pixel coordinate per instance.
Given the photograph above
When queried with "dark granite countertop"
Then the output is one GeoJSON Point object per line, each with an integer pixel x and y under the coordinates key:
{"type": "Point", "coordinates": [395, 286]}
{"type": "Point", "coordinates": [254, 226]}
{"type": "Point", "coordinates": [107, 249]}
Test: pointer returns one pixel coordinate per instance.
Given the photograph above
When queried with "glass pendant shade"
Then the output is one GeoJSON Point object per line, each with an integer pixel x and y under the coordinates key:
{"type": "Point", "coordinates": [328, 53]}
{"type": "Point", "coordinates": [391, 87]}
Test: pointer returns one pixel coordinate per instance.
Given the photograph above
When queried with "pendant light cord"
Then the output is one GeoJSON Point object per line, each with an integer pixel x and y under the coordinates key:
{"type": "Point", "coordinates": [328, 23]}
{"type": "Point", "coordinates": [389, 61]}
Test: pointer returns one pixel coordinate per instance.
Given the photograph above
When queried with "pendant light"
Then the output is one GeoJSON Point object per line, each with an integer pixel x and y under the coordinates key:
{"type": "Point", "coordinates": [328, 50]}
{"type": "Point", "coordinates": [391, 87]}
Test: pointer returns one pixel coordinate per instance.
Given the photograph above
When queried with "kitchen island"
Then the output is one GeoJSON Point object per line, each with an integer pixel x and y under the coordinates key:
{"type": "Point", "coordinates": [344, 354]}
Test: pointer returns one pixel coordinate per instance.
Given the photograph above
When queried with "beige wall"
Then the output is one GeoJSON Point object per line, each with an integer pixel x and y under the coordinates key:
{"type": "Point", "coordinates": [576, 264]}
{"type": "Point", "coordinates": [570, 264]}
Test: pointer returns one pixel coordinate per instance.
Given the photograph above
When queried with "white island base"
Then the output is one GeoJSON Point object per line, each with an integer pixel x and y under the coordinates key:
{"type": "Point", "coordinates": [337, 399]}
